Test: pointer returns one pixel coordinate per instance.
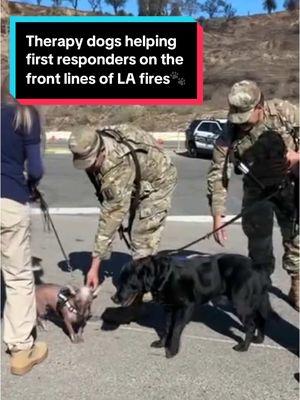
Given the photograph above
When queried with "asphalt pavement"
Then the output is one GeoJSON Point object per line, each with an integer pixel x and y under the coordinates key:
{"type": "Point", "coordinates": [119, 364]}
{"type": "Point", "coordinates": [64, 186]}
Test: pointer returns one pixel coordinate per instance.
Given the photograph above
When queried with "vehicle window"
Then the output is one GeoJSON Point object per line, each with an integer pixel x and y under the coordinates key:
{"type": "Point", "coordinates": [215, 128]}
{"type": "Point", "coordinates": [205, 126]}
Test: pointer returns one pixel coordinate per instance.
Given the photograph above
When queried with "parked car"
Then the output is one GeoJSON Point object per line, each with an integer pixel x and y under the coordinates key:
{"type": "Point", "coordinates": [202, 134]}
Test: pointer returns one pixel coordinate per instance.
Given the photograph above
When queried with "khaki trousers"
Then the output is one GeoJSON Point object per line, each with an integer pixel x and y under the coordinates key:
{"type": "Point", "coordinates": [20, 306]}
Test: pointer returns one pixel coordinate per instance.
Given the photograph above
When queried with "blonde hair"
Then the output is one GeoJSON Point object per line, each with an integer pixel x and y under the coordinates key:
{"type": "Point", "coordinates": [24, 115]}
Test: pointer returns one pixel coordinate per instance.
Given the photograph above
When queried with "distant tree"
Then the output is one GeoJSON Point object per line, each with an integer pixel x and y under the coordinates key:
{"type": "Point", "coordinates": [229, 11]}
{"type": "Point", "coordinates": [269, 5]}
{"type": "Point", "coordinates": [154, 7]}
{"type": "Point", "coordinates": [123, 13]}
{"type": "Point", "coordinates": [213, 7]}
{"type": "Point", "coordinates": [158, 7]}
{"type": "Point", "coordinates": [95, 5]}
{"type": "Point", "coordinates": [143, 7]}
{"type": "Point", "coordinates": [74, 4]}
{"type": "Point", "coordinates": [291, 5]}
{"type": "Point", "coordinates": [38, 2]}
{"type": "Point", "coordinates": [191, 7]}
{"type": "Point", "coordinates": [56, 3]}
{"type": "Point", "coordinates": [116, 4]}
{"type": "Point", "coordinates": [176, 8]}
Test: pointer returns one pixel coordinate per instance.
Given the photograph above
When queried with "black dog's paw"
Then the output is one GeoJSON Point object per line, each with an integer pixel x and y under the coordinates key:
{"type": "Point", "coordinates": [158, 344]}
{"type": "Point", "coordinates": [171, 352]}
{"type": "Point", "coordinates": [240, 347]}
{"type": "Point", "coordinates": [258, 339]}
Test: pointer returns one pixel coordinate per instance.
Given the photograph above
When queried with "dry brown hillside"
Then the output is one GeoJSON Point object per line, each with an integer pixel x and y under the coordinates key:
{"type": "Point", "coordinates": [261, 47]}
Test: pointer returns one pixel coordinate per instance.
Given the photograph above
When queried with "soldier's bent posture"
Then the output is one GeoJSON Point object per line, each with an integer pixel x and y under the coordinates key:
{"type": "Point", "coordinates": [133, 176]}
{"type": "Point", "coordinates": [249, 116]}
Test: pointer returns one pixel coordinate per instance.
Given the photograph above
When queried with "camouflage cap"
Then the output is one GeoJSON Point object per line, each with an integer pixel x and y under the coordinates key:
{"type": "Point", "coordinates": [242, 98]}
{"type": "Point", "coordinates": [85, 147]}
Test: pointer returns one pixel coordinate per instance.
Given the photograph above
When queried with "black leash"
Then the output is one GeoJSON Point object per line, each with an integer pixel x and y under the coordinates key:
{"type": "Point", "coordinates": [231, 221]}
{"type": "Point", "coordinates": [241, 166]}
{"type": "Point", "coordinates": [49, 223]}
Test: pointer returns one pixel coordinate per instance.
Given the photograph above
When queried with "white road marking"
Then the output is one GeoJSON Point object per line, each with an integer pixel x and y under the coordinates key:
{"type": "Point", "coordinates": [68, 211]}
{"type": "Point", "coordinates": [203, 338]}
{"type": "Point", "coordinates": [96, 211]}
{"type": "Point", "coordinates": [63, 136]}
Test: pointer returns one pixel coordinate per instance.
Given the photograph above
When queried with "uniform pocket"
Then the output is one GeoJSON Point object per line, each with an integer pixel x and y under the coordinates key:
{"type": "Point", "coordinates": [153, 215]}
{"type": "Point", "coordinates": [147, 212]}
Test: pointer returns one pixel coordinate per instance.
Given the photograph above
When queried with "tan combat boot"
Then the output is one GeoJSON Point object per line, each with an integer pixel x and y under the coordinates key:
{"type": "Point", "coordinates": [294, 292]}
{"type": "Point", "coordinates": [22, 361]}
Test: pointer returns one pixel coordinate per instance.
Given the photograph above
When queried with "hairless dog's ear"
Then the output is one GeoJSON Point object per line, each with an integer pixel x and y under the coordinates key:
{"type": "Point", "coordinates": [69, 291]}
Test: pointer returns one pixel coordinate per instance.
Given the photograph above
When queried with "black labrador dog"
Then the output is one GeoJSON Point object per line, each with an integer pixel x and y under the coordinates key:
{"type": "Point", "coordinates": [180, 284]}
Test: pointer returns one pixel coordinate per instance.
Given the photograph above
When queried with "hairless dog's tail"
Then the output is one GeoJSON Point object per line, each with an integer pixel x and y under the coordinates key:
{"type": "Point", "coordinates": [37, 270]}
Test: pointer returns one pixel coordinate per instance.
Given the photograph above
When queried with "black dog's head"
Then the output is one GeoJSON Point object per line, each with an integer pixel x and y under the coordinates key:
{"type": "Point", "coordinates": [269, 146]}
{"type": "Point", "coordinates": [267, 159]}
{"type": "Point", "coordinates": [139, 277]}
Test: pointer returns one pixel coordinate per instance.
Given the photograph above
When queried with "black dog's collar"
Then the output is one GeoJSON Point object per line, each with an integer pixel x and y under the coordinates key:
{"type": "Point", "coordinates": [64, 301]}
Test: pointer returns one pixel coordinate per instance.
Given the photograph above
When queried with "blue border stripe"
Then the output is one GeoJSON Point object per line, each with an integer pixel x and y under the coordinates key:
{"type": "Point", "coordinates": [12, 57]}
{"type": "Point", "coordinates": [15, 19]}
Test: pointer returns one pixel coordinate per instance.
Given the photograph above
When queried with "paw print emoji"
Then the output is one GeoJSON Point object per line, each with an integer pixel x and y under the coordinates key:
{"type": "Point", "coordinates": [174, 75]}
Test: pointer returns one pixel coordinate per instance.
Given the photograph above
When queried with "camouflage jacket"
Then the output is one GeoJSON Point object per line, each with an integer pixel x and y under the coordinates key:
{"type": "Point", "coordinates": [280, 115]}
{"type": "Point", "coordinates": [117, 176]}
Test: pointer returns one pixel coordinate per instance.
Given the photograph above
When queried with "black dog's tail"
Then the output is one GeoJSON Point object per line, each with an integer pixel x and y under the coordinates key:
{"type": "Point", "coordinates": [266, 310]}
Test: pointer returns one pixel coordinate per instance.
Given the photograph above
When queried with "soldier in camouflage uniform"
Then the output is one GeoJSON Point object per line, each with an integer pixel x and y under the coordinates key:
{"type": "Point", "coordinates": [115, 169]}
{"type": "Point", "coordinates": [249, 116]}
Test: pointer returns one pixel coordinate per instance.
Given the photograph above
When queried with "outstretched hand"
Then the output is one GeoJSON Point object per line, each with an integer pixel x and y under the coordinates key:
{"type": "Point", "coordinates": [92, 278]}
{"type": "Point", "coordinates": [220, 236]}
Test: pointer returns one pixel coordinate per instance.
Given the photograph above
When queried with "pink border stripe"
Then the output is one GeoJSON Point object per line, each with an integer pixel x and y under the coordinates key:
{"type": "Point", "coordinates": [110, 101]}
{"type": "Point", "coordinates": [200, 74]}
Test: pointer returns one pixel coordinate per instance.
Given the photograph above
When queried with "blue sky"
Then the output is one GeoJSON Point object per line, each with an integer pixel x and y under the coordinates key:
{"type": "Point", "coordinates": [242, 6]}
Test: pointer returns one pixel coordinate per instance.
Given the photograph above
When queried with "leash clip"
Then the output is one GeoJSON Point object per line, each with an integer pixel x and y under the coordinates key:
{"type": "Point", "coordinates": [64, 301]}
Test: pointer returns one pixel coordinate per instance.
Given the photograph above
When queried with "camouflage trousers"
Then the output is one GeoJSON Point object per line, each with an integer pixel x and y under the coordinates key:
{"type": "Point", "coordinates": [151, 217]}
{"type": "Point", "coordinates": [258, 227]}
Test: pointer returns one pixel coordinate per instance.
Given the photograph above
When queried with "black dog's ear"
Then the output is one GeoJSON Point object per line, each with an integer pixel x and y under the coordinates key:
{"type": "Point", "coordinates": [162, 267]}
{"type": "Point", "coordinates": [146, 273]}
{"type": "Point", "coordinates": [148, 278]}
